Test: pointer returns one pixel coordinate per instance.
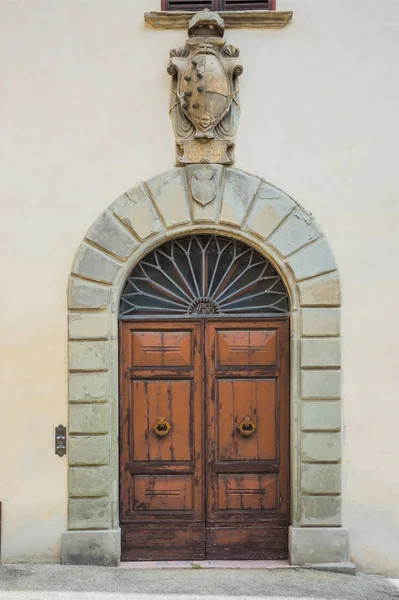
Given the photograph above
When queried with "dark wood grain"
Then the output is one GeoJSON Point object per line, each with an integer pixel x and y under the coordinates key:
{"type": "Point", "coordinates": [244, 505]}
{"type": "Point", "coordinates": [204, 490]}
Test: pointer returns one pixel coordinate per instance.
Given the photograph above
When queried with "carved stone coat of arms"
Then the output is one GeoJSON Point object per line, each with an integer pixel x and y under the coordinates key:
{"type": "Point", "coordinates": [204, 105]}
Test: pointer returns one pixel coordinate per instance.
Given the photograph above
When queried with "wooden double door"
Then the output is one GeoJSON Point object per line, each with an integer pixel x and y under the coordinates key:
{"type": "Point", "coordinates": [204, 439]}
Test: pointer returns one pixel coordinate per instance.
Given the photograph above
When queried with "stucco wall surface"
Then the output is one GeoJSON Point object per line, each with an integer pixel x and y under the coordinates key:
{"type": "Point", "coordinates": [84, 116]}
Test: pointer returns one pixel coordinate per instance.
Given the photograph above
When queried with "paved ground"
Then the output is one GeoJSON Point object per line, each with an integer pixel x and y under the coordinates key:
{"type": "Point", "coordinates": [55, 582]}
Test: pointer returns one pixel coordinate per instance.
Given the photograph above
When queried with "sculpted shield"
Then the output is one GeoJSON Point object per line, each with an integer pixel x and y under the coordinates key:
{"type": "Point", "coordinates": [204, 101]}
{"type": "Point", "coordinates": [205, 84]}
{"type": "Point", "coordinates": [203, 186]}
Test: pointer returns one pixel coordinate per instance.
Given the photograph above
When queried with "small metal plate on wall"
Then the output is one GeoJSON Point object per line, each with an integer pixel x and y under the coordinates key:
{"type": "Point", "coordinates": [60, 440]}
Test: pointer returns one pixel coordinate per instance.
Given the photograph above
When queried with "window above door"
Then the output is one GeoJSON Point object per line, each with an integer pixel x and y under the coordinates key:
{"type": "Point", "coordinates": [203, 275]}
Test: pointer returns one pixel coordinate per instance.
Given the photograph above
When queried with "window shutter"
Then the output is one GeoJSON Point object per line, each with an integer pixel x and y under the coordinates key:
{"type": "Point", "coordinates": [246, 5]}
{"type": "Point", "coordinates": [194, 5]}
{"type": "Point", "coordinates": [218, 5]}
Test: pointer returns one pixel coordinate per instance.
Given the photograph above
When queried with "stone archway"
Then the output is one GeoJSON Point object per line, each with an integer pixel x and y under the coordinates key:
{"type": "Point", "coordinates": [250, 209]}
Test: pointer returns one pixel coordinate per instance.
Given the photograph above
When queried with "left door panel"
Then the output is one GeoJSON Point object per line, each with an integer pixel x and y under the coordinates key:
{"type": "Point", "coordinates": [161, 441]}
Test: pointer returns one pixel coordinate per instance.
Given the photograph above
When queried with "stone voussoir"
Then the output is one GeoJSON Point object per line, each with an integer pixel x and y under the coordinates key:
{"type": "Point", "coordinates": [135, 209]}
{"type": "Point", "coordinates": [94, 264]}
{"type": "Point", "coordinates": [108, 233]}
{"type": "Point", "coordinates": [298, 230]}
{"type": "Point", "coordinates": [84, 294]}
{"type": "Point", "coordinates": [270, 208]}
{"type": "Point", "coordinates": [169, 193]}
{"type": "Point", "coordinates": [239, 191]}
{"type": "Point", "coordinates": [312, 260]}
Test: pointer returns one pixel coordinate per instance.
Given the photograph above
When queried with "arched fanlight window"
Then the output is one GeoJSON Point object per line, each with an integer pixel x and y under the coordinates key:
{"type": "Point", "coordinates": [203, 275]}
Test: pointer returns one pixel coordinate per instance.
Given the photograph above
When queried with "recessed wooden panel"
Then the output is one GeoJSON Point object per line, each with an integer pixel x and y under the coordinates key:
{"type": "Point", "coordinates": [247, 492]}
{"type": "Point", "coordinates": [162, 348]}
{"type": "Point", "coordinates": [247, 347]}
{"type": "Point", "coordinates": [260, 542]}
{"type": "Point", "coordinates": [236, 399]}
{"type": "Point", "coordinates": [167, 542]}
{"type": "Point", "coordinates": [163, 492]}
{"type": "Point", "coordinates": [169, 399]}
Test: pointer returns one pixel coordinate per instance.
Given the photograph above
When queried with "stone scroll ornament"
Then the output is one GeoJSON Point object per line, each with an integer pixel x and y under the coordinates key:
{"type": "Point", "coordinates": [204, 101]}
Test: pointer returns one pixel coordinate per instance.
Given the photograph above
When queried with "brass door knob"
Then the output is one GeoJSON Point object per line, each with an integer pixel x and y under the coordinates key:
{"type": "Point", "coordinates": [162, 427]}
{"type": "Point", "coordinates": [247, 427]}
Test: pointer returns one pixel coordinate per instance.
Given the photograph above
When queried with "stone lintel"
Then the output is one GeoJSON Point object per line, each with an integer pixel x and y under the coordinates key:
{"type": "Point", "coordinates": [234, 19]}
{"type": "Point", "coordinates": [101, 548]}
{"type": "Point", "coordinates": [318, 545]}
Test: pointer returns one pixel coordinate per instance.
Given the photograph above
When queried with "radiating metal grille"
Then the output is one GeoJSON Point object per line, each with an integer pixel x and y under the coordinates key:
{"type": "Point", "coordinates": [203, 275]}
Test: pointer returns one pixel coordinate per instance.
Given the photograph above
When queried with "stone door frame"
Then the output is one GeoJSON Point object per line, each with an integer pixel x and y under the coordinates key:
{"type": "Point", "coordinates": [251, 210]}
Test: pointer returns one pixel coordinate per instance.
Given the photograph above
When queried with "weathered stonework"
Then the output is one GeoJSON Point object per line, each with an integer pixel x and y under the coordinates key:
{"type": "Point", "coordinates": [88, 326]}
{"type": "Point", "coordinates": [321, 322]}
{"type": "Point", "coordinates": [136, 211]}
{"type": "Point", "coordinates": [321, 415]}
{"type": "Point", "coordinates": [252, 210]}
{"type": "Point", "coordinates": [92, 263]}
{"type": "Point", "coordinates": [88, 481]}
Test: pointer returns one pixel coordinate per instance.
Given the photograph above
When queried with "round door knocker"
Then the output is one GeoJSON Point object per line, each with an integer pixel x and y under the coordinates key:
{"type": "Point", "coordinates": [162, 427]}
{"type": "Point", "coordinates": [247, 427]}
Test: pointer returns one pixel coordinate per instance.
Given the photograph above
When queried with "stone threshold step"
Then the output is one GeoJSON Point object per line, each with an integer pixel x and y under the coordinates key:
{"type": "Point", "coordinates": [207, 564]}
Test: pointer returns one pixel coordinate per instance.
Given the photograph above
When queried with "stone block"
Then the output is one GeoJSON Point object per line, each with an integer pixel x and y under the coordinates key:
{"type": "Point", "coordinates": [88, 387]}
{"type": "Point", "coordinates": [83, 294]}
{"type": "Point", "coordinates": [269, 209]}
{"type": "Point", "coordinates": [94, 264]}
{"type": "Point", "coordinates": [88, 450]}
{"type": "Point", "coordinates": [88, 325]}
{"type": "Point", "coordinates": [321, 510]}
{"type": "Point", "coordinates": [88, 356]}
{"type": "Point", "coordinates": [110, 235]}
{"type": "Point", "coordinates": [321, 415]}
{"type": "Point", "coordinates": [297, 231]}
{"type": "Point", "coordinates": [169, 192]}
{"type": "Point", "coordinates": [88, 513]}
{"type": "Point", "coordinates": [319, 447]}
{"type": "Point", "coordinates": [239, 191]}
{"type": "Point", "coordinates": [312, 260]}
{"type": "Point", "coordinates": [321, 321]}
{"type": "Point", "coordinates": [321, 383]}
{"type": "Point", "coordinates": [135, 209]}
{"type": "Point", "coordinates": [324, 352]}
{"type": "Point", "coordinates": [321, 291]}
{"type": "Point", "coordinates": [209, 210]}
{"type": "Point", "coordinates": [318, 545]}
{"type": "Point", "coordinates": [320, 479]}
{"type": "Point", "coordinates": [89, 418]}
{"type": "Point", "coordinates": [88, 481]}
{"type": "Point", "coordinates": [99, 548]}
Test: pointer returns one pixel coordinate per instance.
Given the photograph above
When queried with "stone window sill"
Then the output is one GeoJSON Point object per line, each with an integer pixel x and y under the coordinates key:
{"type": "Point", "coordinates": [238, 19]}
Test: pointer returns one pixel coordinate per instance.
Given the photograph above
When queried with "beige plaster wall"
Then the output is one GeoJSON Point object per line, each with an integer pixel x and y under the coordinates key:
{"type": "Point", "coordinates": [84, 115]}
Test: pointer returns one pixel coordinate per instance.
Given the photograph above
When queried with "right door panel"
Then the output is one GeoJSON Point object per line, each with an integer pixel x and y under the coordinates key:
{"type": "Point", "coordinates": [248, 440]}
